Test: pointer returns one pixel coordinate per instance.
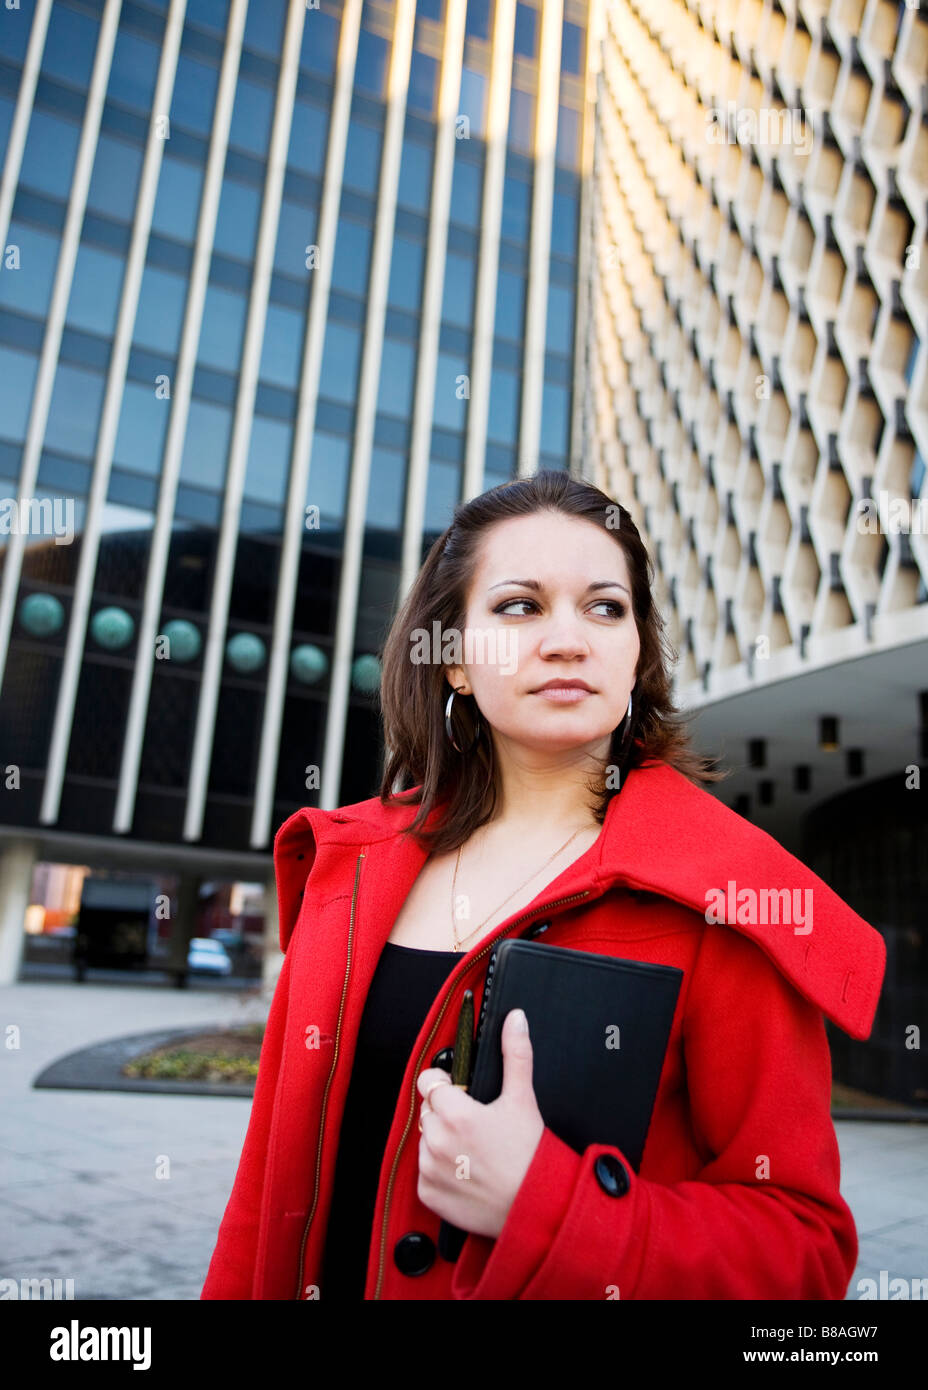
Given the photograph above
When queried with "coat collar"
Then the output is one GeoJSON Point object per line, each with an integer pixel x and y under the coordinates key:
{"type": "Point", "coordinates": [662, 834]}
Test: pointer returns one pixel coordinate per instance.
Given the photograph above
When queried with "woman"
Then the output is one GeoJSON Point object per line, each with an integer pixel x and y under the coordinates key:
{"type": "Point", "coordinates": [577, 814]}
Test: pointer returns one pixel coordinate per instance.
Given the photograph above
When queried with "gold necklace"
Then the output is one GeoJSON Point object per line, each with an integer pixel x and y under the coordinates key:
{"type": "Point", "coordinates": [459, 942]}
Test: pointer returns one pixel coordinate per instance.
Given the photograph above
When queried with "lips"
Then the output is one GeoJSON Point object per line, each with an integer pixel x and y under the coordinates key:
{"type": "Point", "coordinates": [563, 685]}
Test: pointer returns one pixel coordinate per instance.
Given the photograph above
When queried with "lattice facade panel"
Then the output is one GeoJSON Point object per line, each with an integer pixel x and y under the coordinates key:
{"type": "Point", "coordinates": [760, 298]}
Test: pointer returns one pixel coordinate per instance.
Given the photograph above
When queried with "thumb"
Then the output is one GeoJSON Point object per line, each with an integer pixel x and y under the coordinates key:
{"type": "Point", "coordinates": [517, 1057]}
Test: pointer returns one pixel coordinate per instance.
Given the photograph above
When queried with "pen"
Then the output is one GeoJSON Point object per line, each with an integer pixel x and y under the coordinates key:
{"type": "Point", "coordinates": [462, 1055]}
{"type": "Point", "coordinates": [451, 1238]}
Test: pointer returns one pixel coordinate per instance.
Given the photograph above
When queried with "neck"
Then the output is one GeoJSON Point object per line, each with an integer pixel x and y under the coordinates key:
{"type": "Point", "coordinates": [547, 797]}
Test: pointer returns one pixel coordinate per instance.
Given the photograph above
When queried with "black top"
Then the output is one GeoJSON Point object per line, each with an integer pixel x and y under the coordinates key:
{"type": "Point", "coordinates": [402, 992]}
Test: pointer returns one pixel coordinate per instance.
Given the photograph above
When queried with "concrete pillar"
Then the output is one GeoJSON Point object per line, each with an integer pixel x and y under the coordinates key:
{"type": "Point", "coordinates": [273, 955]}
{"type": "Point", "coordinates": [184, 926]}
{"type": "Point", "coordinates": [17, 861]}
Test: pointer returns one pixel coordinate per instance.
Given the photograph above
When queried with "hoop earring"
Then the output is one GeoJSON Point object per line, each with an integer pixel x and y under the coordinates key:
{"type": "Point", "coordinates": [450, 732]}
{"type": "Point", "coordinates": [626, 732]}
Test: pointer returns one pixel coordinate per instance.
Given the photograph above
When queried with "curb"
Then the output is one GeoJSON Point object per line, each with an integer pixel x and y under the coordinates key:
{"type": "Point", "coordinates": [98, 1068]}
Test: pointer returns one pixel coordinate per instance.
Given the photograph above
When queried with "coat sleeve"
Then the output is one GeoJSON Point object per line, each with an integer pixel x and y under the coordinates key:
{"type": "Point", "coordinates": [763, 1217]}
{"type": "Point", "coordinates": [232, 1267]}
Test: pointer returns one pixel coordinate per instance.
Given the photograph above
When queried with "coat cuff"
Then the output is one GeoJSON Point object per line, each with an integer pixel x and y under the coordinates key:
{"type": "Point", "coordinates": [501, 1268]}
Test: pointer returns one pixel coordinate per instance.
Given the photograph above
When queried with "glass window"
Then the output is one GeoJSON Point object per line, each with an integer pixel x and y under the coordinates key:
{"type": "Point", "coordinates": [352, 256]}
{"type": "Point", "coordinates": [526, 34]}
{"type": "Point", "coordinates": [223, 329]}
{"type": "Point", "coordinates": [237, 222]}
{"type": "Point", "coordinates": [143, 423]}
{"type": "Point", "coordinates": [134, 71]}
{"type": "Point", "coordinates": [458, 301]}
{"type": "Point", "coordinates": [564, 225]}
{"type": "Point", "coordinates": [452, 388]}
{"type": "Point", "coordinates": [397, 378]}
{"type": "Point", "coordinates": [465, 193]}
{"type": "Point", "coordinates": [114, 183]}
{"type": "Point", "coordinates": [252, 115]}
{"type": "Point", "coordinates": [95, 290]}
{"type": "Point", "coordinates": [15, 35]}
{"type": "Point", "coordinates": [17, 379]}
{"type": "Point", "coordinates": [264, 27]}
{"type": "Point", "coordinates": [503, 422]}
{"type": "Point", "coordinates": [6, 120]}
{"type": "Point", "coordinates": [371, 67]}
{"type": "Point", "coordinates": [386, 493]}
{"type": "Point", "coordinates": [478, 19]}
{"type": "Point", "coordinates": [327, 486]}
{"type": "Point", "coordinates": [559, 333]}
{"type": "Point", "coordinates": [362, 157]}
{"type": "Point", "coordinates": [29, 288]}
{"type": "Point", "coordinates": [341, 355]}
{"type": "Point", "coordinates": [510, 306]}
{"type": "Point", "coordinates": [206, 445]}
{"type": "Point", "coordinates": [115, 517]}
{"type": "Point", "coordinates": [320, 42]}
{"type": "Point", "coordinates": [572, 48]}
{"type": "Point", "coordinates": [441, 495]}
{"type": "Point", "coordinates": [296, 229]}
{"type": "Point", "coordinates": [554, 418]}
{"type": "Point", "coordinates": [268, 460]}
{"type": "Point", "coordinates": [210, 14]}
{"type": "Point", "coordinates": [522, 121]}
{"type": "Point", "coordinates": [568, 138]}
{"type": "Point", "coordinates": [177, 203]}
{"type": "Point", "coordinates": [283, 346]}
{"type": "Point", "coordinates": [194, 95]}
{"type": "Point", "coordinates": [473, 99]}
{"type": "Point", "coordinates": [516, 202]}
{"type": "Point", "coordinates": [423, 82]}
{"type": "Point", "coordinates": [415, 176]}
{"type": "Point", "coordinates": [48, 159]}
{"type": "Point", "coordinates": [70, 45]}
{"type": "Point", "coordinates": [74, 413]}
{"type": "Point", "coordinates": [431, 9]}
{"type": "Point", "coordinates": [308, 133]}
{"type": "Point", "coordinates": [406, 270]}
{"type": "Point", "coordinates": [161, 310]}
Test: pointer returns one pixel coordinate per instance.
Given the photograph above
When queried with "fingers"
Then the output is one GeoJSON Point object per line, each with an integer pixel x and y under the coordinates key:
{"type": "Point", "coordinates": [428, 1081]}
{"type": "Point", "coordinates": [517, 1057]}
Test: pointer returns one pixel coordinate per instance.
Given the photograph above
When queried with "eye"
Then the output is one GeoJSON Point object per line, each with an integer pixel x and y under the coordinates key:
{"type": "Point", "coordinates": [618, 609]}
{"type": "Point", "coordinates": [508, 604]}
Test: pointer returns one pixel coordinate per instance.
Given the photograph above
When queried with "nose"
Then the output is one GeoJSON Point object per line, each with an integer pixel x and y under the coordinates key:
{"type": "Point", "coordinates": [563, 634]}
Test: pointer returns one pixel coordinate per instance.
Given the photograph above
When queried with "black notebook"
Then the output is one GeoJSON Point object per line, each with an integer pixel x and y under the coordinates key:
{"type": "Point", "coordinates": [599, 1028]}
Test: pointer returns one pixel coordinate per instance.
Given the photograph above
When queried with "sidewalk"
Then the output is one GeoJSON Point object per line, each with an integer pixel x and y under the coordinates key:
{"type": "Point", "coordinates": [81, 1197]}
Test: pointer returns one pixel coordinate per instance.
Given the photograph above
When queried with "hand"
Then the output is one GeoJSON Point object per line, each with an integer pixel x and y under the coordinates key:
{"type": "Point", "coordinates": [473, 1157]}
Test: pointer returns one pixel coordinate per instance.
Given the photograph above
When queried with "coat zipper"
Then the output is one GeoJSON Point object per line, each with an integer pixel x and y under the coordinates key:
{"type": "Point", "coordinates": [535, 912]}
{"type": "Point", "coordinates": [325, 1094]}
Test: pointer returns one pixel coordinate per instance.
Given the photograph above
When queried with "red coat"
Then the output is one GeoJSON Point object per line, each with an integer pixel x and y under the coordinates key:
{"type": "Point", "coordinates": [737, 1193]}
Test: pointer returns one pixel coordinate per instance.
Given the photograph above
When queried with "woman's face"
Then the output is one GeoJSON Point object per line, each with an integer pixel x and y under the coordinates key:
{"type": "Point", "coordinates": [533, 616]}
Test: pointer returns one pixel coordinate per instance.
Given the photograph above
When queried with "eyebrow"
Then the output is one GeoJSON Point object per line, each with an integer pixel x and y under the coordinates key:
{"type": "Point", "coordinates": [534, 584]}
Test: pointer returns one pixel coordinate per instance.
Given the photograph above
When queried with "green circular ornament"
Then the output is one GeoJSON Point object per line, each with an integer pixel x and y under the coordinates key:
{"type": "Point", "coordinates": [112, 628]}
{"type": "Point", "coordinates": [308, 663]}
{"type": "Point", "coordinates": [41, 614]}
{"type": "Point", "coordinates": [246, 652]}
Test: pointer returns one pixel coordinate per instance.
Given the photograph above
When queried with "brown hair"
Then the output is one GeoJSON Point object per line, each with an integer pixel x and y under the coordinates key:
{"type": "Point", "coordinates": [413, 695]}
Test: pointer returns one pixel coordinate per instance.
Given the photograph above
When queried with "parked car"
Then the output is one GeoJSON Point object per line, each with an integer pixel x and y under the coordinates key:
{"type": "Point", "coordinates": [208, 956]}
{"type": "Point", "coordinates": [228, 936]}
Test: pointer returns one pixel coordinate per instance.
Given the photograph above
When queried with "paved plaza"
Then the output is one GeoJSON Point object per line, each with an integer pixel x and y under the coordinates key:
{"type": "Point", "coordinates": [80, 1195]}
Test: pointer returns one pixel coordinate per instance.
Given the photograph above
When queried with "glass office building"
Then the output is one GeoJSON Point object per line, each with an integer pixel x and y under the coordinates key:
{"type": "Point", "coordinates": [280, 285]}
